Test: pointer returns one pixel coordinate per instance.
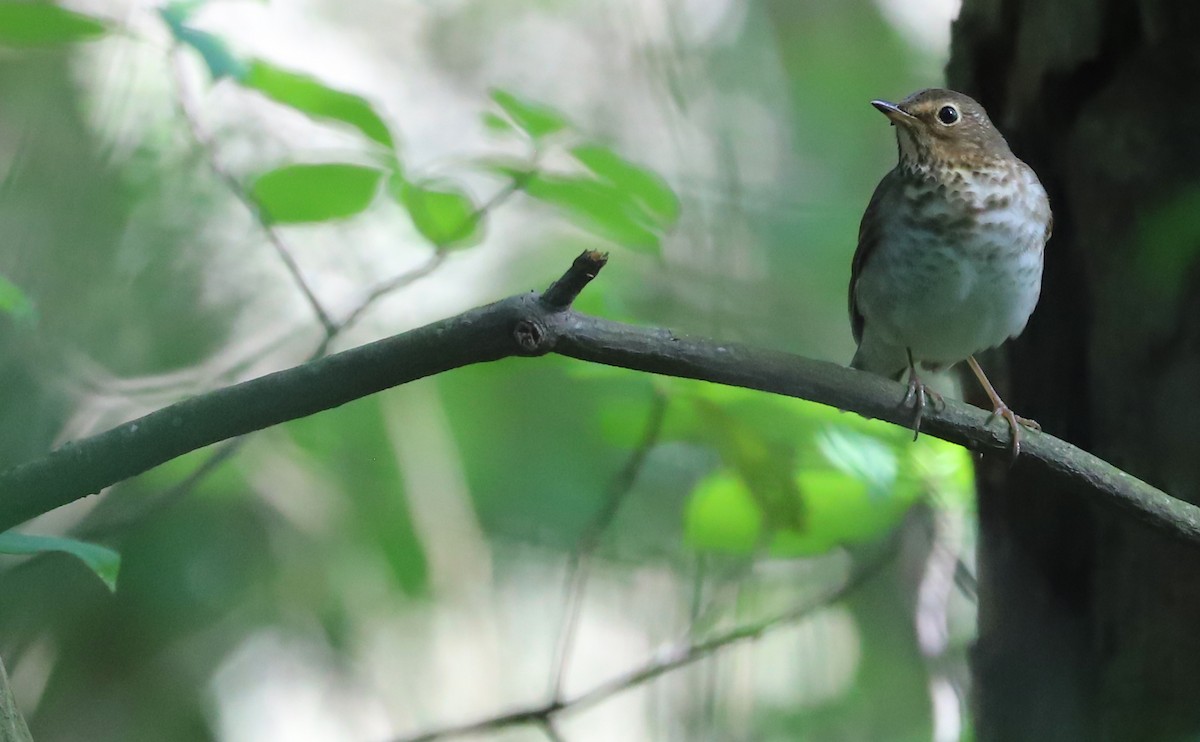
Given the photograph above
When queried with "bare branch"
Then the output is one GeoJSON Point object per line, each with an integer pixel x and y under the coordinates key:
{"type": "Point", "coordinates": [536, 715]}
{"type": "Point", "coordinates": [384, 289]}
{"type": "Point", "coordinates": [562, 292]}
{"type": "Point", "coordinates": [551, 732]}
{"type": "Point", "coordinates": [12, 725]}
{"type": "Point", "coordinates": [578, 568]}
{"type": "Point", "coordinates": [674, 658]}
{"type": "Point", "coordinates": [525, 325]}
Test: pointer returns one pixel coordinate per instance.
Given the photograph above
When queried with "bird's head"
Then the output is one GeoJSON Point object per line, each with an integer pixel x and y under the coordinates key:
{"type": "Point", "coordinates": [938, 127]}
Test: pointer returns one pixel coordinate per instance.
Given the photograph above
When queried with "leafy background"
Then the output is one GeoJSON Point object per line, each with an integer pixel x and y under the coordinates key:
{"type": "Point", "coordinates": [202, 192]}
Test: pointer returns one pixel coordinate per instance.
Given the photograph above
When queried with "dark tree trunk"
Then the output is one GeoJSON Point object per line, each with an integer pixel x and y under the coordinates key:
{"type": "Point", "coordinates": [1089, 625]}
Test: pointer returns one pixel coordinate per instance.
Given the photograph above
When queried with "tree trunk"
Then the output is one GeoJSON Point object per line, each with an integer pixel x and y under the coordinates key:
{"type": "Point", "coordinates": [1089, 625]}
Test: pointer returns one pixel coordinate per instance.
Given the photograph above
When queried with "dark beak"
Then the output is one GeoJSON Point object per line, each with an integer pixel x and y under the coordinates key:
{"type": "Point", "coordinates": [894, 112]}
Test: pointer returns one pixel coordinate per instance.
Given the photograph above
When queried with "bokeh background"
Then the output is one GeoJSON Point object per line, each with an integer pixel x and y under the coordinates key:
{"type": "Point", "coordinates": [407, 561]}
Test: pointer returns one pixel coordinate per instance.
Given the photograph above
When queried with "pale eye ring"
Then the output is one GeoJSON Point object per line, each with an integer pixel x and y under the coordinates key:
{"type": "Point", "coordinates": [948, 115]}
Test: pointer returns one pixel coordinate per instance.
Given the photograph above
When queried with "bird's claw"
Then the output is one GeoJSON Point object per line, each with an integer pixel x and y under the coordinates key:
{"type": "Point", "coordinates": [1015, 423]}
{"type": "Point", "coordinates": [918, 394]}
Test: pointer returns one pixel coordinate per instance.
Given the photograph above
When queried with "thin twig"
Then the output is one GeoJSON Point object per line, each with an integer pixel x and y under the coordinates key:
{"type": "Point", "coordinates": [674, 658]}
{"type": "Point", "coordinates": [12, 725]}
{"type": "Point", "coordinates": [589, 541]}
{"type": "Point", "coordinates": [387, 287]}
{"type": "Point", "coordinates": [535, 715]}
{"type": "Point", "coordinates": [207, 146]}
{"type": "Point", "coordinates": [435, 260]}
{"type": "Point", "coordinates": [551, 731]}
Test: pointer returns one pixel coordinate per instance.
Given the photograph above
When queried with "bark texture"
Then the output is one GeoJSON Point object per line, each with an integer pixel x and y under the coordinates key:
{"type": "Point", "coordinates": [1089, 623]}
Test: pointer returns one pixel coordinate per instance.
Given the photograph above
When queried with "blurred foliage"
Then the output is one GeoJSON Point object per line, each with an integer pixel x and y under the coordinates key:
{"type": "Point", "coordinates": [724, 157]}
{"type": "Point", "coordinates": [39, 23]}
{"type": "Point", "coordinates": [106, 563]}
{"type": "Point", "coordinates": [14, 302]}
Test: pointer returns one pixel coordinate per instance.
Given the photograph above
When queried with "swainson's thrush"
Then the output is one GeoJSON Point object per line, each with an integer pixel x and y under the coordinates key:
{"type": "Point", "coordinates": [949, 258]}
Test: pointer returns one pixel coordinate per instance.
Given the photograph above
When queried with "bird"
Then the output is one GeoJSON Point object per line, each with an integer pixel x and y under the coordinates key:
{"type": "Point", "coordinates": [950, 250]}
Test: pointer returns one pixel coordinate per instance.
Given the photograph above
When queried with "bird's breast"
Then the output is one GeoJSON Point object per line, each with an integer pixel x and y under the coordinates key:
{"type": "Point", "coordinates": [959, 266]}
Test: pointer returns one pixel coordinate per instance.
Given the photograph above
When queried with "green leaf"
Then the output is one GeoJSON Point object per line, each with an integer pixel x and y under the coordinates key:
{"type": "Point", "coordinates": [944, 470]}
{"type": "Point", "coordinates": [535, 119]}
{"type": "Point", "coordinates": [497, 123]}
{"type": "Point", "coordinates": [13, 301]}
{"type": "Point", "coordinates": [310, 96]}
{"type": "Point", "coordinates": [212, 49]}
{"type": "Point", "coordinates": [441, 212]}
{"type": "Point", "coordinates": [722, 515]}
{"type": "Point", "coordinates": [37, 24]}
{"type": "Point", "coordinates": [860, 456]}
{"type": "Point", "coordinates": [315, 193]}
{"type": "Point", "coordinates": [597, 206]}
{"type": "Point", "coordinates": [767, 465]}
{"type": "Point", "coordinates": [842, 509]}
{"type": "Point", "coordinates": [105, 562]}
{"type": "Point", "coordinates": [646, 186]}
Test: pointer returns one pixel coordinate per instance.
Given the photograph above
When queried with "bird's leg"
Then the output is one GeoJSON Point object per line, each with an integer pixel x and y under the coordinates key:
{"type": "Point", "coordinates": [999, 409]}
{"type": "Point", "coordinates": [918, 392]}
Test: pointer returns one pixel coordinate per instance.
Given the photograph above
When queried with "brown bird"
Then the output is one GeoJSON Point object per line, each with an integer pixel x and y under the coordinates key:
{"type": "Point", "coordinates": [949, 258]}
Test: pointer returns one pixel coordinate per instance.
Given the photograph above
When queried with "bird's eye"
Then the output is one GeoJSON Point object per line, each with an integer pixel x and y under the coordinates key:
{"type": "Point", "coordinates": [948, 115]}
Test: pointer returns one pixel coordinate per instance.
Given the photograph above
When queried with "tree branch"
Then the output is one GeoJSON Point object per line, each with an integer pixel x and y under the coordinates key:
{"type": "Point", "coordinates": [12, 725]}
{"type": "Point", "coordinates": [529, 325]}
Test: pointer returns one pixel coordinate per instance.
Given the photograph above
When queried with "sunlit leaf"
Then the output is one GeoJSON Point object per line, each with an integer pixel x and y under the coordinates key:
{"type": "Point", "coordinates": [497, 123]}
{"type": "Point", "coordinates": [181, 10]}
{"type": "Point", "coordinates": [14, 302]}
{"type": "Point", "coordinates": [644, 185]}
{"type": "Point", "coordinates": [599, 207]}
{"type": "Point", "coordinates": [315, 193]}
{"type": "Point", "coordinates": [310, 96]}
{"type": "Point", "coordinates": [535, 119]}
{"type": "Point", "coordinates": [39, 23]}
{"type": "Point", "coordinates": [767, 464]}
{"type": "Point", "coordinates": [842, 506]}
{"type": "Point", "coordinates": [943, 470]}
{"type": "Point", "coordinates": [840, 510]}
{"type": "Point", "coordinates": [860, 456]}
{"type": "Point", "coordinates": [105, 562]}
{"type": "Point", "coordinates": [212, 49]}
{"type": "Point", "coordinates": [441, 212]}
{"type": "Point", "coordinates": [722, 515]}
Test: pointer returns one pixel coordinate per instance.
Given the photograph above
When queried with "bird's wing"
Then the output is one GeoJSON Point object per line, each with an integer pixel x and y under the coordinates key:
{"type": "Point", "coordinates": [870, 232]}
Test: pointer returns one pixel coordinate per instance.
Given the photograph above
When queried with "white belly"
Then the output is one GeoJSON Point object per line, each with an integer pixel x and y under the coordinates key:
{"type": "Point", "coordinates": [945, 305]}
{"type": "Point", "coordinates": [950, 294]}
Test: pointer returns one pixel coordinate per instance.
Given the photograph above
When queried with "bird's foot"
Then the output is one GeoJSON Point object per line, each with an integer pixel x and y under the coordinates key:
{"type": "Point", "coordinates": [1015, 423]}
{"type": "Point", "coordinates": [918, 394]}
